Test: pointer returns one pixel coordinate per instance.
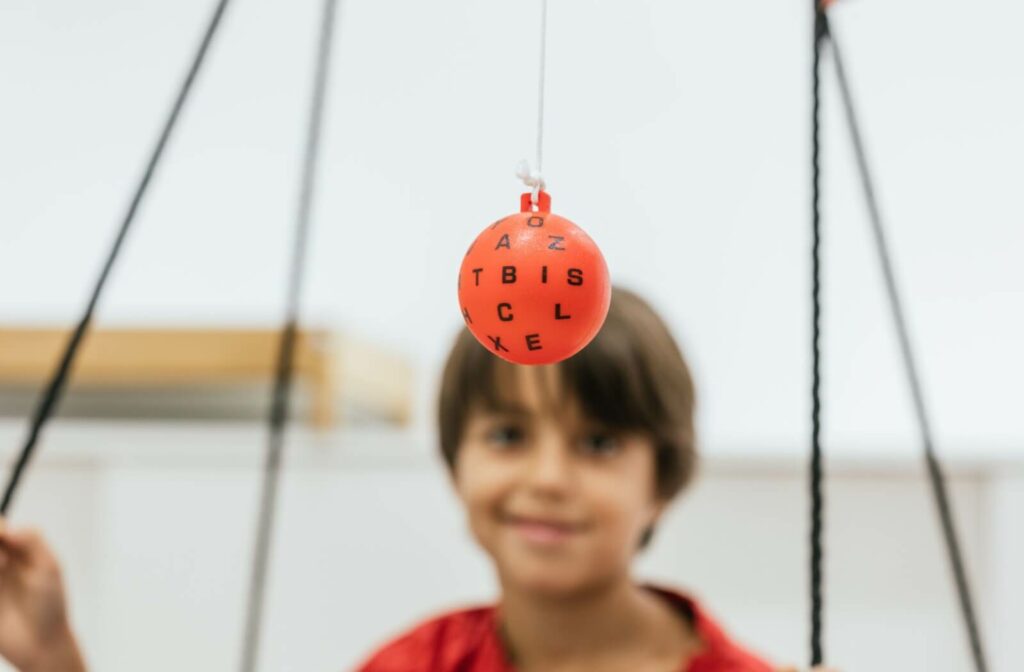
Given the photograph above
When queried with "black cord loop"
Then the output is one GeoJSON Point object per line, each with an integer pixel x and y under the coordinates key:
{"type": "Point", "coordinates": [54, 389]}
{"type": "Point", "coordinates": [933, 466]}
{"type": "Point", "coordinates": [816, 468]}
{"type": "Point", "coordinates": [278, 416]}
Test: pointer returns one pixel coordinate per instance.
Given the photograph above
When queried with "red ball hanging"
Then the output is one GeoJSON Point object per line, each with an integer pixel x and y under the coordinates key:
{"type": "Point", "coordinates": [534, 287]}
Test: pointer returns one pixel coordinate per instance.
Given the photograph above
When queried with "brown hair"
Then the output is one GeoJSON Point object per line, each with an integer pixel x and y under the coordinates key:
{"type": "Point", "coordinates": [631, 377]}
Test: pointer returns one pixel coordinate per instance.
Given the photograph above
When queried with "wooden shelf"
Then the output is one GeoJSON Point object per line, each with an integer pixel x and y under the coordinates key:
{"type": "Point", "coordinates": [158, 358]}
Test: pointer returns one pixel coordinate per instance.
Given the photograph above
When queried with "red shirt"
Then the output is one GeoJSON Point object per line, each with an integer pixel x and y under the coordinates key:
{"type": "Point", "coordinates": [467, 641]}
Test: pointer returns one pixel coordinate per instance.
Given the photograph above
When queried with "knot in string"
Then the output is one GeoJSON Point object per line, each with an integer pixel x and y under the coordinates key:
{"type": "Point", "coordinates": [531, 177]}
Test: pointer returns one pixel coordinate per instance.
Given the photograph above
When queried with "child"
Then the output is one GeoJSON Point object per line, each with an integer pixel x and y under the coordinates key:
{"type": "Point", "coordinates": [564, 472]}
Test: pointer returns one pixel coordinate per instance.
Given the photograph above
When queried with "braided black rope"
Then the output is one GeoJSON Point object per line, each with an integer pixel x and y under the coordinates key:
{"type": "Point", "coordinates": [283, 376]}
{"type": "Point", "coordinates": [817, 491]}
{"type": "Point", "coordinates": [54, 389]}
{"type": "Point", "coordinates": [934, 468]}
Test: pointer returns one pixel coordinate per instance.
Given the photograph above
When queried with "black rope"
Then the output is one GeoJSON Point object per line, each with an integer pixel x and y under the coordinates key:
{"type": "Point", "coordinates": [285, 360]}
{"type": "Point", "coordinates": [58, 382]}
{"type": "Point", "coordinates": [934, 468]}
{"type": "Point", "coordinates": [817, 490]}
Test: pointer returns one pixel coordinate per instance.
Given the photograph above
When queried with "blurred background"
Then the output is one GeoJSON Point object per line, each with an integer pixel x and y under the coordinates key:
{"type": "Point", "coordinates": [677, 134]}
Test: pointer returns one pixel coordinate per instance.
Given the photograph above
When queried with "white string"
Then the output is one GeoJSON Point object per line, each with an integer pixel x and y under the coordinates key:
{"type": "Point", "coordinates": [533, 177]}
{"type": "Point", "coordinates": [540, 86]}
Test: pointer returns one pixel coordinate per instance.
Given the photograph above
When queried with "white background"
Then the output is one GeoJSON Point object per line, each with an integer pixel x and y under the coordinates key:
{"type": "Point", "coordinates": [676, 134]}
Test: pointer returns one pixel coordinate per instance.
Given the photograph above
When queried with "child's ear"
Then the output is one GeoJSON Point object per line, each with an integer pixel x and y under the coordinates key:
{"type": "Point", "coordinates": [453, 474]}
{"type": "Point", "coordinates": [660, 504]}
{"type": "Point", "coordinates": [659, 508]}
{"type": "Point", "coordinates": [452, 471]}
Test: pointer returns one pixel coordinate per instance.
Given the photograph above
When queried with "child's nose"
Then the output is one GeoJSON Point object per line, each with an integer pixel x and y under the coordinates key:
{"type": "Point", "coordinates": [550, 469]}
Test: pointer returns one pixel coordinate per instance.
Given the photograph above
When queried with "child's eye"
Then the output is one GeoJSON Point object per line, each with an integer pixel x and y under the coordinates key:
{"type": "Point", "coordinates": [505, 435]}
{"type": "Point", "coordinates": [600, 444]}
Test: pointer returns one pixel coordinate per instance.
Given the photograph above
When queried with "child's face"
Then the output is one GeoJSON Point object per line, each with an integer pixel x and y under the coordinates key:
{"type": "Point", "coordinates": [556, 499]}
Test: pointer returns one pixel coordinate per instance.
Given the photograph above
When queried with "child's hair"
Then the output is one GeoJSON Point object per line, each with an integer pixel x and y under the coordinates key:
{"type": "Point", "coordinates": [631, 377]}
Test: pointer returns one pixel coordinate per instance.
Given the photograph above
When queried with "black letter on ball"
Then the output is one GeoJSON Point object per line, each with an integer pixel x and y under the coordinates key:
{"type": "Point", "coordinates": [498, 347]}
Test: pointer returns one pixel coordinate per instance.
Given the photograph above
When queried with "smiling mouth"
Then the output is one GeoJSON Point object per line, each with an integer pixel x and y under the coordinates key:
{"type": "Point", "coordinates": [542, 531]}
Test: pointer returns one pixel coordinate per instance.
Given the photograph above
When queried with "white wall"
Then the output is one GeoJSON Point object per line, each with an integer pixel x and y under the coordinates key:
{"type": "Point", "coordinates": [676, 134]}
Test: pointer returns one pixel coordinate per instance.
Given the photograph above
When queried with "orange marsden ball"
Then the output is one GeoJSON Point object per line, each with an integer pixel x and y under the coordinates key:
{"type": "Point", "coordinates": [534, 287]}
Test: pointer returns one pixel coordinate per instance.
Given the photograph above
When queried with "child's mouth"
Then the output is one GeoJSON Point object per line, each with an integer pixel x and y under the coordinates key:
{"type": "Point", "coordinates": [542, 532]}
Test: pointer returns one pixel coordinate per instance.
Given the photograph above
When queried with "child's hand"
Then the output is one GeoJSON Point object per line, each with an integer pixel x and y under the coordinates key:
{"type": "Point", "coordinates": [35, 635]}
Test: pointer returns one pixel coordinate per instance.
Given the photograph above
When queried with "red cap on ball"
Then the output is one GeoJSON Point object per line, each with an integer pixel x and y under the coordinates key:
{"type": "Point", "coordinates": [534, 287]}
